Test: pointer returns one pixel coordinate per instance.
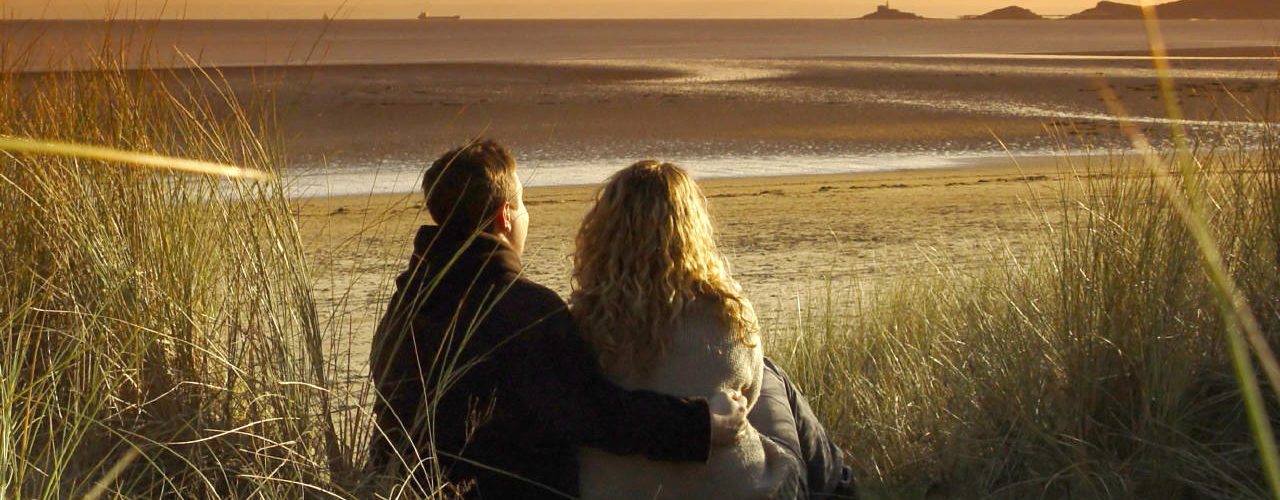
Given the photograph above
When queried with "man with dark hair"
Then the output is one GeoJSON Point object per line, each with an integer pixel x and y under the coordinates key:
{"type": "Point", "coordinates": [481, 378]}
{"type": "Point", "coordinates": [470, 183]}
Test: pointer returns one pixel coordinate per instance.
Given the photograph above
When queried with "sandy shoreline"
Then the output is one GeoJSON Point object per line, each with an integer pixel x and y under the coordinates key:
{"type": "Point", "coordinates": [783, 235]}
{"type": "Point", "coordinates": [610, 109]}
{"type": "Point", "coordinates": [796, 113]}
{"type": "Point", "coordinates": [772, 114]}
{"type": "Point", "coordinates": [336, 118]}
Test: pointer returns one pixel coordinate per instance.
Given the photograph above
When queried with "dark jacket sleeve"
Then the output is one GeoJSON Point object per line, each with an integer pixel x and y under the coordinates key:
{"type": "Point", "coordinates": [562, 386]}
{"type": "Point", "coordinates": [399, 389]}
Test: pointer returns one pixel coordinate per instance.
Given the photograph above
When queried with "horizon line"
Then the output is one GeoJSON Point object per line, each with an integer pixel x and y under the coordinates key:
{"type": "Point", "coordinates": [1047, 17]}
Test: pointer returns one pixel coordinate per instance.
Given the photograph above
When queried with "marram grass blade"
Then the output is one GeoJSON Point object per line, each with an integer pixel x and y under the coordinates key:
{"type": "Point", "coordinates": [20, 145]}
{"type": "Point", "coordinates": [100, 488]}
{"type": "Point", "coordinates": [1194, 195]}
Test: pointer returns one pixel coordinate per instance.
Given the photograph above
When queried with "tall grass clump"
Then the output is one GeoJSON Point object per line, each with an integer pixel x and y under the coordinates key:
{"type": "Point", "coordinates": [1095, 365]}
{"type": "Point", "coordinates": [160, 337]}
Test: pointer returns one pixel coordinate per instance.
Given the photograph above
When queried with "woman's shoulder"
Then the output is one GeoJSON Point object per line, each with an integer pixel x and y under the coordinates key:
{"type": "Point", "coordinates": [706, 315]}
{"type": "Point", "coordinates": [714, 302]}
{"type": "Point", "coordinates": [704, 309]}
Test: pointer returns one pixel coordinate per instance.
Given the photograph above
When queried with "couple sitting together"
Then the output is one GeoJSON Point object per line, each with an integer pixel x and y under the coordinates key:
{"type": "Point", "coordinates": [651, 383]}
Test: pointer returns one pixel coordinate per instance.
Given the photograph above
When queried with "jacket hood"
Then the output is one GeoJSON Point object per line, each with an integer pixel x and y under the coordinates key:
{"type": "Point", "coordinates": [447, 262]}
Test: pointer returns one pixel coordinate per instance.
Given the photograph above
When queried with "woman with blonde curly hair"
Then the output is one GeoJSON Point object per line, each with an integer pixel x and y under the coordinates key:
{"type": "Point", "coordinates": [654, 298]}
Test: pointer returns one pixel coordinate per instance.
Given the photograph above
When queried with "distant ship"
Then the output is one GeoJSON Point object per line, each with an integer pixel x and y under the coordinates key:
{"type": "Point", "coordinates": [424, 16]}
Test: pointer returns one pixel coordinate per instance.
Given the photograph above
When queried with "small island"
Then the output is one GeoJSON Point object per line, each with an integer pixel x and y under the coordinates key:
{"type": "Point", "coordinates": [1106, 10]}
{"type": "Point", "coordinates": [1185, 9]}
{"type": "Point", "coordinates": [1011, 13]}
{"type": "Point", "coordinates": [885, 13]}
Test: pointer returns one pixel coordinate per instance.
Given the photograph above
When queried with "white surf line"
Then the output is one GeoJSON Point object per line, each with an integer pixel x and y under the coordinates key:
{"type": "Point", "coordinates": [403, 176]}
{"type": "Point", "coordinates": [1033, 111]}
{"type": "Point", "coordinates": [907, 64]}
{"type": "Point", "coordinates": [692, 72]}
{"type": "Point", "coordinates": [728, 75]}
{"type": "Point", "coordinates": [725, 72]}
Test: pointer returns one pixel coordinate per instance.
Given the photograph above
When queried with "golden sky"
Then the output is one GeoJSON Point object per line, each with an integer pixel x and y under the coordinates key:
{"type": "Point", "coordinates": [310, 9]}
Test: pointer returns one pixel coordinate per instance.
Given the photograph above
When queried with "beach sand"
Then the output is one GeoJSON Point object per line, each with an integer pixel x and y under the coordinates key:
{"type": "Point", "coordinates": [783, 236]}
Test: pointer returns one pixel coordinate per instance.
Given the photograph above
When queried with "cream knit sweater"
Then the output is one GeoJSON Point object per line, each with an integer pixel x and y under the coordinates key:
{"type": "Point", "coordinates": [703, 360]}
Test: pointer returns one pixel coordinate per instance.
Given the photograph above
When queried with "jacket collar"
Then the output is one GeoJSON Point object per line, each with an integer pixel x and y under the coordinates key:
{"type": "Point", "coordinates": [462, 257]}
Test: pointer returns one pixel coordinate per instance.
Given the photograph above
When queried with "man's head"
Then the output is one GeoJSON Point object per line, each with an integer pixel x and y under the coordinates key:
{"type": "Point", "coordinates": [475, 188]}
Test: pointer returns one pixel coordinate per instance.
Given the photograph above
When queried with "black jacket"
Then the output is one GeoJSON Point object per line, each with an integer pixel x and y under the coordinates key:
{"type": "Point", "coordinates": [486, 366]}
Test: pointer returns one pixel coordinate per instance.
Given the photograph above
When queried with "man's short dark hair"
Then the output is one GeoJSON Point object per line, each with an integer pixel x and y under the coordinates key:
{"type": "Point", "coordinates": [465, 186]}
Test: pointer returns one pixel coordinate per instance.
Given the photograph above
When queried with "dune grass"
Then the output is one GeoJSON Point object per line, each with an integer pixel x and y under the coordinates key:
{"type": "Point", "coordinates": [160, 334]}
{"type": "Point", "coordinates": [1095, 365]}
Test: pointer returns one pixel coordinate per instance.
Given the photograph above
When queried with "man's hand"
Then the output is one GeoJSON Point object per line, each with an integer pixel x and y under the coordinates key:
{"type": "Point", "coordinates": [728, 417]}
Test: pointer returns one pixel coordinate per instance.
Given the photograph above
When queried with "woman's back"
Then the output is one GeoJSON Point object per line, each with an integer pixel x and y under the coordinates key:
{"type": "Point", "coordinates": [644, 247]}
{"type": "Point", "coordinates": [703, 359]}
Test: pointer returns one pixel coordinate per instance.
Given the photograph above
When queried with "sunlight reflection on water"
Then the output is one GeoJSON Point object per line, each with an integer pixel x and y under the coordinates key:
{"type": "Point", "coordinates": [404, 177]}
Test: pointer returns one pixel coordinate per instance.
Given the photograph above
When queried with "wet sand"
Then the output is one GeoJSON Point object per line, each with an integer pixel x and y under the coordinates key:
{"type": "Point", "coordinates": [362, 94]}
{"type": "Point", "coordinates": [782, 235]}
{"type": "Point", "coordinates": [336, 119]}
{"type": "Point", "coordinates": [343, 116]}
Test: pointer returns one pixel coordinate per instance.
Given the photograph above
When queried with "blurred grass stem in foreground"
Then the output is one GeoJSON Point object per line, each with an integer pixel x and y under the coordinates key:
{"type": "Point", "coordinates": [31, 146]}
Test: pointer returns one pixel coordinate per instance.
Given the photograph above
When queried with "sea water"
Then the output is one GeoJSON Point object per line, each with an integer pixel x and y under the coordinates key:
{"type": "Point", "coordinates": [707, 54]}
{"type": "Point", "coordinates": [67, 44]}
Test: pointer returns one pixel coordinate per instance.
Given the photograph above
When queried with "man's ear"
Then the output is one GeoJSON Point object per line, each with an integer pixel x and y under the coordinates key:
{"type": "Point", "coordinates": [502, 219]}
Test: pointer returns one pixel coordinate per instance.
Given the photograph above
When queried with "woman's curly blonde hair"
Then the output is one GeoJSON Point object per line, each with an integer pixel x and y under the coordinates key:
{"type": "Point", "coordinates": [644, 252]}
